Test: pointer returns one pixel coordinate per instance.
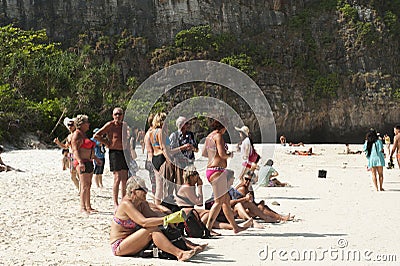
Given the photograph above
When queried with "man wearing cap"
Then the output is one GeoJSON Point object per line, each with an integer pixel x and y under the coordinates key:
{"type": "Point", "coordinates": [99, 151]}
{"type": "Point", "coordinates": [245, 149]}
{"type": "Point", "coordinates": [183, 147]}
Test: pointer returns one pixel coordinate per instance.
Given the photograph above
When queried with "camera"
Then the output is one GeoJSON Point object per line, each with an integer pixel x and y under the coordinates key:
{"type": "Point", "coordinates": [390, 165]}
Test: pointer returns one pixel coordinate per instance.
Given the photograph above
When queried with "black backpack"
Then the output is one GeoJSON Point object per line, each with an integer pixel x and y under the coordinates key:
{"type": "Point", "coordinates": [194, 227]}
{"type": "Point", "coordinates": [174, 235]}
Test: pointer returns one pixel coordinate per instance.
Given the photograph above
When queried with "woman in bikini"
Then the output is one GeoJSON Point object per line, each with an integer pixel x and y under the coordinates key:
{"type": "Point", "coordinates": [83, 150]}
{"type": "Point", "coordinates": [135, 224]}
{"type": "Point", "coordinates": [216, 150]}
{"type": "Point", "coordinates": [70, 124]}
{"type": "Point", "coordinates": [162, 165]}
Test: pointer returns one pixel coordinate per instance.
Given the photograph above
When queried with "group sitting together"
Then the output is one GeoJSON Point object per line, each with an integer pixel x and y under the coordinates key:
{"type": "Point", "coordinates": [138, 225]}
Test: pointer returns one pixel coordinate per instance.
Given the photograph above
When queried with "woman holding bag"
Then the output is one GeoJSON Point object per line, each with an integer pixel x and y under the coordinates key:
{"type": "Point", "coordinates": [373, 148]}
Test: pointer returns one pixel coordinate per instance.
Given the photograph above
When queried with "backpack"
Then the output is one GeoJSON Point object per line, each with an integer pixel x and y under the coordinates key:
{"type": "Point", "coordinates": [254, 157]}
{"type": "Point", "coordinates": [194, 227]}
{"type": "Point", "coordinates": [174, 235]}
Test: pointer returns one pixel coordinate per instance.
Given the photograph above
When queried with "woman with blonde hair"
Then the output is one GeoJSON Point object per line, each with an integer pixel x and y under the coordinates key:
{"type": "Point", "coordinates": [135, 224]}
{"type": "Point", "coordinates": [83, 150]}
{"type": "Point", "coordinates": [162, 165]}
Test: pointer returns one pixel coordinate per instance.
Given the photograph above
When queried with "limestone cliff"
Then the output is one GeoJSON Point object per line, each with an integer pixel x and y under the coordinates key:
{"type": "Point", "coordinates": [302, 60]}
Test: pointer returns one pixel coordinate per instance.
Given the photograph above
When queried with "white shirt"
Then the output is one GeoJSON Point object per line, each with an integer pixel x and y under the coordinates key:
{"type": "Point", "coordinates": [245, 149]}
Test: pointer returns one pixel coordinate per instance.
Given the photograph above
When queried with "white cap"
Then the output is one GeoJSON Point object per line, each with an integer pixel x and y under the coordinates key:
{"type": "Point", "coordinates": [243, 129]}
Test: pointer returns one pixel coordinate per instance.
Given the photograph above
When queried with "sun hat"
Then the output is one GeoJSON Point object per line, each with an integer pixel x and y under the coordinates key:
{"type": "Point", "coordinates": [68, 120]}
{"type": "Point", "coordinates": [244, 129]}
{"type": "Point", "coordinates": [180, 122]}
{"type": "Point", "coordinates": [135, 183]}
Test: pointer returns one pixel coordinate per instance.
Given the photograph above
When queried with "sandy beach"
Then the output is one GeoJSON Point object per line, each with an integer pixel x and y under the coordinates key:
{"type": "Point", "coordinates": [339, 219]}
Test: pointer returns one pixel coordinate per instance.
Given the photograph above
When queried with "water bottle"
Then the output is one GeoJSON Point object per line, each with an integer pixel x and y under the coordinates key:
{"type": "Point", "coordinates": [155, 252]}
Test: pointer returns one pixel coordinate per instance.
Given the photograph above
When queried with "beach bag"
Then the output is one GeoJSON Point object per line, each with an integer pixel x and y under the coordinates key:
{"type": "Point", "coordinates": [254, 157]}
{"type": "Point", "coordinates": [194, 227]}
{"type": "Point", "coordinates": [148, 166]}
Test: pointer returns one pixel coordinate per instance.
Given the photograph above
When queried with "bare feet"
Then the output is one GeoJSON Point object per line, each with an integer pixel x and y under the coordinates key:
{"type": "Point", "coordinates": [185, 255]}
{"type": "Point", "coordinates": [243, 226]}
{"type": "Point", "coordinates": [382, 189]}
{"type": "Point", "coordinates": [200, 248]}
{"type": "Point", "coordinates": [213, 233]}
{"type": "Point", "coordinates": [257, 225]}
{"type": "Point", "coordinates": [84, 211]}
{"type": "Point", "coordinates": [92, 210]}
{"type": "Point", "coordinates": [246, 224]}
{"type": "Point", "coordinates": [287, 218]}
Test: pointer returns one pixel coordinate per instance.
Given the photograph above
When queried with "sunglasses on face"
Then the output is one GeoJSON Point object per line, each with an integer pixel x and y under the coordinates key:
{"type": "Point", "coordinates": [142, 189]}
{"type": "Point", "coordinates": [248, 179]}
{"type": "Point", "coordinates": [116, 114]}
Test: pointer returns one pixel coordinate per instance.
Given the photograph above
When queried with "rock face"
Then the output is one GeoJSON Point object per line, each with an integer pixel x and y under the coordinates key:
{"type": "Point", "coordinates": [368, 75]}
{"type": "Point", "coordinates": [157, 20]}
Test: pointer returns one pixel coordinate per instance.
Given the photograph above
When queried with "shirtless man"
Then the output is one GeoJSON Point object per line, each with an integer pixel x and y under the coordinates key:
{"type": "Point", "coordinates": [396, 145]}
{"type": "Point", "coordinates": [111, 135]}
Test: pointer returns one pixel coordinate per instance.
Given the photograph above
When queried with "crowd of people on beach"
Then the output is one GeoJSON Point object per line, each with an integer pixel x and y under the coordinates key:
{"type": "Point", "coordinates": [160, 221]}
{"type": "Point", "coordinates": [176, 186]}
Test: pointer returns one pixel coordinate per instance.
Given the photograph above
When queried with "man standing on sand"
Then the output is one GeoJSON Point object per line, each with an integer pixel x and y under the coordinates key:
{"type": "Point", "coordinates": [396, 145]}
{"type": "Point", "coordinates": [111, 135]}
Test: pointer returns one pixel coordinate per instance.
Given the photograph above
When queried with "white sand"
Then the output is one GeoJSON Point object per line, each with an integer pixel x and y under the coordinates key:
{"type": "Point", "coordinates": [40, 223]}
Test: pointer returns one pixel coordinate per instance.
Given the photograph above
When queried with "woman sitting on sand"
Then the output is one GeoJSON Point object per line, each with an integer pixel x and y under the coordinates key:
{"type": "Point", "coordinates": [135, 224]}
{"type": "Point", "coordinates": [186, 198]}
{"type": "Point", "coordinates": [267, 176]}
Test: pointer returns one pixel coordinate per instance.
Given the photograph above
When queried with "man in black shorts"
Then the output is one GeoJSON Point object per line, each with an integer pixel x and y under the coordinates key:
{"type": "Point", "coordinates": [111, 135]}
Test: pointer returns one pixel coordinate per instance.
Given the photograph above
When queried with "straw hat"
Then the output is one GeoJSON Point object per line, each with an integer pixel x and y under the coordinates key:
{"type": "Point", "coordinates": [245, 130]}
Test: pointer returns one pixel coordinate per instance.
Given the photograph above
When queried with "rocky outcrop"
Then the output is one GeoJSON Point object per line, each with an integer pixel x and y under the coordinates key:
{"type": "Point", "coordinates": [368, 74]}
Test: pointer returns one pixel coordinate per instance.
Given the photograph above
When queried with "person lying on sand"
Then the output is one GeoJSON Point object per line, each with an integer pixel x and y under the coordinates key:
{"type": "Point", "coordinates": [349, 151]}
{"type": "Point", "coordinates": [308, 152]}
{"type": "Point", "coordinates": [5, 167]}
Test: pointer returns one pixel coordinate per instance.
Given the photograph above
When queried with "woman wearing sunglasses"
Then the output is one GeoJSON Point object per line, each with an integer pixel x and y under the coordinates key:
{"type": "Point", "coordinates": [135, 224]}
{"type": "Point", "coordinates": [66, 146]}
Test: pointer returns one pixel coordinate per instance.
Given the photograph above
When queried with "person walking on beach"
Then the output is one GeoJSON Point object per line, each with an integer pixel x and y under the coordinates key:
{"type": "Point", "coordinates": [70, 124]}
{"type": "Point", "coordinates": [83, 149]}
{"type": "Point", "coordinates": [396, 145]}
{"type": "Point", "coordinates": [373, 148]}
{"type": "Point", "coordinates": [111, 135]}
{"type": "Point", "coordinates": [216, 150]}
